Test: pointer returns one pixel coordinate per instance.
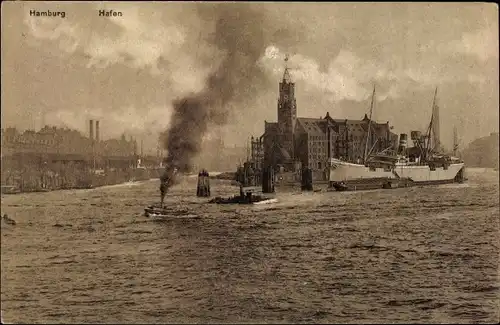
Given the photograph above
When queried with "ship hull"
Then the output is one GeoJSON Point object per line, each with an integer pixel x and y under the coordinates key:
{"type": "Point", "coordinates": [346, 176]}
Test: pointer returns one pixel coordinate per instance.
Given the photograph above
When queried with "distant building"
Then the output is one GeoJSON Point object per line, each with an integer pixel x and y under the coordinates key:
{"type": "Point", "coordinates": [47, 140]}
{"type": "Point", "coordinates": [293, 141]}
{"type": "Point", "coordinates": [257, 152]}
{"type": "Point", "coordinates": [64, 142]}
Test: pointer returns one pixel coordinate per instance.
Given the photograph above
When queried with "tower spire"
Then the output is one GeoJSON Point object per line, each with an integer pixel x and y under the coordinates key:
{"type": "Point", "coordinates": [286, 74]}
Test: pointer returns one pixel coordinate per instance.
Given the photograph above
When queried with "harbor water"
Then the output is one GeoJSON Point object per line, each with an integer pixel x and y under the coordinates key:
{"type": "Point", "coordinates": [423, 254]}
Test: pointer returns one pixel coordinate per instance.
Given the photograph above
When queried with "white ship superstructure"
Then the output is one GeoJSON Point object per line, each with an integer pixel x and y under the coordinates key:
{"type": "Point", "coordinates": [422, 164]}
{"type": "Point", "coordinates": [341, 171]}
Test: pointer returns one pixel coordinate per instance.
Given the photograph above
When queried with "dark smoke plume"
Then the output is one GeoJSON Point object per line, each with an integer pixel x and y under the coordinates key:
{"type": "Point", "coordinates": [239, 37]}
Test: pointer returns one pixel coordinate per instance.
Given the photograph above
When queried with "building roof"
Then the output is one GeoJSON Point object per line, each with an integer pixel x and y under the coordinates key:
{"type": "Point", "coordinates": [365, 119]}
{"type": "Point", "coordinates": [379, 129]}
{"type": "Point", "coordinates": [342, 121]}
{"type": "Point", "coordinates": [317, 126]}
{"type": "Point", "coordinates": [285, 154]}
{"type": "Point", "coordinates": [271, 125]}
{"type": "Point", "coordinates": [312, 126]}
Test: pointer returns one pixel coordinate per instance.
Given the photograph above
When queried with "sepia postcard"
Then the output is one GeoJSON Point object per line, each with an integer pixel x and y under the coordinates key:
{"type": "Point", "coordinates": [249, 162]}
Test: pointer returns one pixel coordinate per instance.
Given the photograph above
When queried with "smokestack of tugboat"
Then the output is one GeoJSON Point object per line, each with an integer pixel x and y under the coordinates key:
{"type": "Point", "coordinates": [167, 179]}
{"type": "Point", "coordinates": [403, 139]}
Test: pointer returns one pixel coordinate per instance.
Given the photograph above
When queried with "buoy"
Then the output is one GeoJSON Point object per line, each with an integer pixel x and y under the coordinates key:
{"type": "Point", "coordinates": [203, 188]}
{"type": "Point", "coordinates": [306, 180]}
{"type": "Point", "coordinates": [267, 180]}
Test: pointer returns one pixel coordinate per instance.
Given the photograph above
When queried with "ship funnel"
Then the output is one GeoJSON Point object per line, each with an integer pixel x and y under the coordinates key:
{"type": "Point", "coordinates": [403, 139]}
{"type": "Point", "coordinates": [416, 135]}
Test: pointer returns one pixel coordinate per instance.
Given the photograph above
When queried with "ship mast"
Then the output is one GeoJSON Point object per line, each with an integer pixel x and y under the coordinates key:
{"type": "Point", "coordinates": [431, 130]}
{"type": "Point", "coordinates": [247, 150]}
{"type": "Point", "coordinates": [436, 142]}
{"type": "Point", "coordinates": [455, 141]}
{"type": "Point", "coordinates": [369, 125]}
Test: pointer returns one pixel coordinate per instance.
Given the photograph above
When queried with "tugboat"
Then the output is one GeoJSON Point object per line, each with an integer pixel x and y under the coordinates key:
{"type": "Point", "coordinates": [253, 183]}
{"type": "Point", "coordinates": [248, 195]}
{"type": "Point", "coordinates": [340, 186]}
{"type": "Point", "coordinates": [161, 212]}
{"type": "Point", "coordinates": [10, 189]}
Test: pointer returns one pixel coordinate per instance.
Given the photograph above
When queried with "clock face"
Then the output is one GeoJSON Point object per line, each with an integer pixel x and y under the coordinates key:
{"type": "Point", "coordinates": [285, 97]}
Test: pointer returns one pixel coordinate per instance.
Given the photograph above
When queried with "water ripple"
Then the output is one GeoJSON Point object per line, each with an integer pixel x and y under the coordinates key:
{"type": "Point", "coordinates": [427, 255]}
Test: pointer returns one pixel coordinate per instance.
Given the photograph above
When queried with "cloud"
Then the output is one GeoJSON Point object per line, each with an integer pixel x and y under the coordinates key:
{"type": "Point", "coordinates": [348, 77]}
{"type": "Point", "coordinates": [482, 44]}
{"type": "Point", "coordinates": [142, 42]}
{"type": "Point", "coordinates": [340, 81]}
{"type": "Point", "coordinates": [55, 30]}
{"type": "Point", "coordinates": [158, 52]}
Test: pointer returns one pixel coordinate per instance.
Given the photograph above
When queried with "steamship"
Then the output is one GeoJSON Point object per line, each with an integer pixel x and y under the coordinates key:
{"type": "Point", "coordinates": [423, 164]}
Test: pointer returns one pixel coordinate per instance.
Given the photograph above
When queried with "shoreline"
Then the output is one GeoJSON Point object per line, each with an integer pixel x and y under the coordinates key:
{"type": "Point", "coordinates": [73, 188]}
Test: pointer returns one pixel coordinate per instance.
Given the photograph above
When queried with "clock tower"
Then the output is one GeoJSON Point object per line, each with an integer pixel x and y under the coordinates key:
{"type": "Point", "coordinates": [287, 112]}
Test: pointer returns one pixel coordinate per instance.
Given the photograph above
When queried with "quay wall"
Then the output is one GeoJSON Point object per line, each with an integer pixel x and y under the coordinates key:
{"type": "Point", "coordinates": [34, 176]}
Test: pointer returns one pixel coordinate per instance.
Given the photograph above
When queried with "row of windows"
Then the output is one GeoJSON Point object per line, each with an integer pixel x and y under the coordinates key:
{"type": "Point", "coordinates": [322, 140]}
{"type": "Point", "coordinates": [318, 144]}
{"type": "Point", "coordinates": [316, 156]}
{"type": "Point", "coordinates": [353, 130]}
{"type": "Point", "coordinates": [32, 141]}
{"type": "Point", "coordinates": [318, 150]}
{"type": "Point", "coordinates": [319, 138]}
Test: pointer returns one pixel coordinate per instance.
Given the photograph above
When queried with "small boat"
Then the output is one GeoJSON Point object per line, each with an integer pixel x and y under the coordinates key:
{"type": "Point", "coordinates": [8, 220]}
{"type": "Point", "coordinates": [339, 186]}
{"type": "Point", "coordinates": [10, 189]}
{"type": "Point", "coordinates": [155, 212]}
{"type": "Point", "coordinates": [248, 195]}
{"type": "Point", "coordinates": [237, 199]}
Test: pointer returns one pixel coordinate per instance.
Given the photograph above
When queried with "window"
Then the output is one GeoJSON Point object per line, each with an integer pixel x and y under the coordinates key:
{"type": "Point", "coordinates": [319, 164]}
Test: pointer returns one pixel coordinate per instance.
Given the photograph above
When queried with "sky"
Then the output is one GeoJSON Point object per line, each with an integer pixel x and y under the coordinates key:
{"type": "Point", "coordinates": [127, 71]}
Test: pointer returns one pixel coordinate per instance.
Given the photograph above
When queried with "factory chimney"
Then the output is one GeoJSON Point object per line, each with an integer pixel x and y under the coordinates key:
{"type": "Point", "coordinates": [97, 131]}
{"type": "Point", "coordinates": [91, 129]}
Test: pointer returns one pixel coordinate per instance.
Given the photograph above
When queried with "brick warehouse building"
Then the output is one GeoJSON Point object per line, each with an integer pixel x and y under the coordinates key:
{"type": "Point", "coordinates": [294, 141]}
